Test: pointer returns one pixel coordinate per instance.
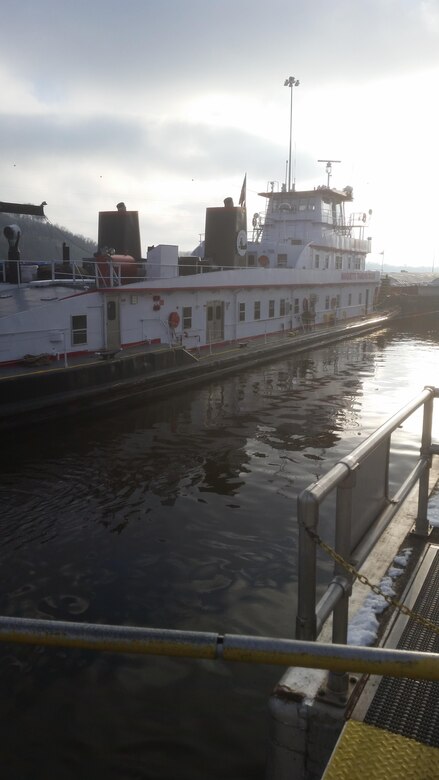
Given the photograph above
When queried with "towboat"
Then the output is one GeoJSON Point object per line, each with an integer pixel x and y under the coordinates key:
{"type": "Point", "coordinates": [302, 265]}
{"type": "Point", "coordinates": [75, 336]}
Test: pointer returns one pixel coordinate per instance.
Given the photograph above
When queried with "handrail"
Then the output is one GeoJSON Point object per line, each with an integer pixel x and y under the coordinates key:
{"type": "Point", "coordinates": [211, 646]}
{"type": "Point", "coordinates": [358, 526]}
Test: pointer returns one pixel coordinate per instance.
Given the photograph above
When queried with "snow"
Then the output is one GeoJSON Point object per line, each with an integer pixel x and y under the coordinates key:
{"type": "Point", "coordinates": [433, 510]}
{"type": "Point", "coordinates": [363, 628]}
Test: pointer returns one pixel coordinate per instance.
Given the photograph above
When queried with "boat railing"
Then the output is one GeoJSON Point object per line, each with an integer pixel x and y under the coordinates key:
{"type": "Point", "coordinates": [115, 274]}
{"type": "Point", "coordinates": [45, 271]}
{"type": "Point", "coordinates": [358, 491]}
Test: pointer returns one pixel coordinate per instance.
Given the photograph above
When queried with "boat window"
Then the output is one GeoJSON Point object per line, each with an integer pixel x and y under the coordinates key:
{"type": "Point", "coordinates": [209, 313]}
{"type": "Point", "coordinates": [79, 329]}
{"type": "Point", "coordinates": [302, 204]}
{"type": "Point", "coordinates": [242, 312]}
{"type": "Point", "coordinates": [338, 262]}
{"type": "Point", "coordinates": [282, 307]}
{"type": "Point", "coordinates": [327, 261]}
{"type": "Point", "coordinates": [350, 299]}
{"type": "Point", "coordinates": [317, 261]}
{"type": "Point", "coordinates": [111, 310]}
{"type": "Point", "coordinates": [257, 310]}
{"type": "Point", "coordinates": [282, 261]}
{"type": "Point", "coordinates": [251, 259]}
{"type": "Point", "coordinates": [219, 311]}
{"type": "Point", "coordinates": [296, 306]}
{"type": "Point", "coordinates": [360, 298]}
{"type": "Point", "coordinates": [271, 308]}
{"type": "Point", "coordinates": [327, 302]}
{"type": "Point", "coordinates": [338, 301]}
{"type": "Point", "coordinates": [187, 317]}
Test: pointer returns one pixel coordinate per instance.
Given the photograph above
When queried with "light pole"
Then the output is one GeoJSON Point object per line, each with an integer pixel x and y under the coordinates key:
{"type": "Point", "coordinates": [290, 82]}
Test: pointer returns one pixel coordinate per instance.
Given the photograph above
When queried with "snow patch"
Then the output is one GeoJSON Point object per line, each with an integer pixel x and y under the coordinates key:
{"type": "Point", "coordinates": [363, 628]}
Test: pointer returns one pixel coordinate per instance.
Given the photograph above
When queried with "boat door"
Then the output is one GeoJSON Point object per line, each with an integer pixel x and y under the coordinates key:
{"type": "Point", "coordinates": [112, 322]}
{"type": "Point", "coordinates": [215, 322]}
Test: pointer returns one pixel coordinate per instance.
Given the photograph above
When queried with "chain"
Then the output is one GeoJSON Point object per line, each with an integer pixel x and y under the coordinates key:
{"type": "Point", "coordinates": [402, 608]}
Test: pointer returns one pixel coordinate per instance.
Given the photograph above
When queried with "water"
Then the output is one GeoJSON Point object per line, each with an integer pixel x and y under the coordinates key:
{"type": "Point", "coordinates": [178, 515]}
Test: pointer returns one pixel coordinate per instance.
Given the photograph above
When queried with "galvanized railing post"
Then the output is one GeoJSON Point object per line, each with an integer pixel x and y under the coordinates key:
{"type": "Point", "coordinates": [338, 682]}
{"type": "Point", "coordinates": [307, 513]}
{"type": "Point", "coordinates": [421, 526]}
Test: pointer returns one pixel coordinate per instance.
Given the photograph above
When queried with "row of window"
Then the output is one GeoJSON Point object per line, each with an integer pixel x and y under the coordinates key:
{"type": "Point", "coordinates": [300, 204]}
{"type": "Point", "coordinates": [281, 259]}
{"type": "Point", "coordinates": [79, 321]}
{"type": "Point", "coordinates": [284, 306]}
{"type": "Point", "coordinates": [352, 263]}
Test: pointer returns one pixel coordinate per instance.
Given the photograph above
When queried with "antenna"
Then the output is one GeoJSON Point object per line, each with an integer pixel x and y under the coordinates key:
{"type": "Point", "coordinates": [329, 167]}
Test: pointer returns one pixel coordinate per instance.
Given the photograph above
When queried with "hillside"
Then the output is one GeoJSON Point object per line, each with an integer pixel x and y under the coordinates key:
{"type": "Point", "coordinates": [386, 268]}
{"type": "Point", "coordinates": [40, 240]}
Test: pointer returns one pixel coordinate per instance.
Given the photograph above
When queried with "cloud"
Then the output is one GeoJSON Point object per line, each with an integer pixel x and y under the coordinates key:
{"type": "Point", "coordinates": [167, 103]}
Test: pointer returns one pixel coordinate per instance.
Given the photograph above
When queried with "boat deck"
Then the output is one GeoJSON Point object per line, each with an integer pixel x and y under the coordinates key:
{"type": "Point", "coordinates": [270, 343]}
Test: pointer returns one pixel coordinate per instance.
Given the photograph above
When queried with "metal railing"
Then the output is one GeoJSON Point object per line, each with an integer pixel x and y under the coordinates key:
{"type": "Point", "coordinates": [363, 510]}
{"type": "Point", "coordinates": [211, 646]}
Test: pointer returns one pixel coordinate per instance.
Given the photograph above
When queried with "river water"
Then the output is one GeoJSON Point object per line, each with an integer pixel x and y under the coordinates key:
{"type": "Point", "coordinates": [179, 514]}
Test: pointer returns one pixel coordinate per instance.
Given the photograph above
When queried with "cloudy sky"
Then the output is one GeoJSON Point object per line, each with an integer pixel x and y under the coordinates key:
{"type": "Point", "coordinates": [166, 104]}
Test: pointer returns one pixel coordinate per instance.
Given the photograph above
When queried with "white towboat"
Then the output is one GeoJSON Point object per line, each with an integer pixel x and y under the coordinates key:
{"type": "Point", "coordinates": [302, 266]}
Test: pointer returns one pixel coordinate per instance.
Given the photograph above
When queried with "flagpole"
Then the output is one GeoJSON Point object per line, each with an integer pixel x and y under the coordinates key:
{"type": "Point", "coordinates": [291, 82]}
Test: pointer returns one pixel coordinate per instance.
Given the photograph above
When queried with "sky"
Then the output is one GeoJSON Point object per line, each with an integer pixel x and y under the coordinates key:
{"type": "Point", "coordinates": [167, 104]}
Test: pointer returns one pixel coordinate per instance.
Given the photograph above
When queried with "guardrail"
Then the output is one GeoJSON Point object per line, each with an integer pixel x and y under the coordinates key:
{"type": "Point", "coordinates": [363, 510]}
{"type": "Point", "coordinates": [213, 647]}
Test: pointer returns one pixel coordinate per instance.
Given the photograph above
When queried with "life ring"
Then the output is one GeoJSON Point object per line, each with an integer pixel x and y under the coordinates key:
{"type": "Point", "coordinates": [174, 319]}
{"type": "Point", "coordinates": [263, 260]}
{"type": "Point", "coordinates": [305, 304]}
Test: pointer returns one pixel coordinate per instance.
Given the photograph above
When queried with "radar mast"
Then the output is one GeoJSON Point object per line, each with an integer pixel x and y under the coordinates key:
{"type": "Point", "coordinates": [329, 167]}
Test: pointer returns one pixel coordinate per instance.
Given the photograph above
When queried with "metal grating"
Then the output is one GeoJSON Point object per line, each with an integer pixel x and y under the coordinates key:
{"type": "Point", "coordinates": [367, 752]}
{"type": "Point", "coordinates": [411, 707]}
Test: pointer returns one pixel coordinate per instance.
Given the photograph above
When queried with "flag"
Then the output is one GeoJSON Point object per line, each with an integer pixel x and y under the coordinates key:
{"type": "Point", "coordinates": [243, 192]}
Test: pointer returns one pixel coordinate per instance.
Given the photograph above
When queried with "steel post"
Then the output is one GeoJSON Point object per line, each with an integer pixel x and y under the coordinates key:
{"type": "Point", "coordinates": [421, 527]}
{"type": "Point", "coordinates": [308, 514]}
{"type": "Point", "coordinates": [339, 682]}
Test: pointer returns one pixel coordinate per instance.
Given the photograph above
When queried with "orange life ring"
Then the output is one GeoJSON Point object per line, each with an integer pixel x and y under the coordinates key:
{"type": "Point", "coordinates": [263, 260]}
{"type": "Point", "coordinates": [174, 319]}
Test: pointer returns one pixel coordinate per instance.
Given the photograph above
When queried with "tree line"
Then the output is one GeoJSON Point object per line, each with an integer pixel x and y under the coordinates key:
{"type": "Point", "coordinates": [40, 240]}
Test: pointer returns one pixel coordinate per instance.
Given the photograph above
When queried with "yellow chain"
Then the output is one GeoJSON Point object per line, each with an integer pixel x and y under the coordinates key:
{"type": "Point", "coordinates": [375, 588]}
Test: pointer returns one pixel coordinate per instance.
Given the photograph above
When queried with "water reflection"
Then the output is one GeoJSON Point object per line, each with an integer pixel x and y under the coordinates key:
{"type": "Point", "coordinates": [178, 513]}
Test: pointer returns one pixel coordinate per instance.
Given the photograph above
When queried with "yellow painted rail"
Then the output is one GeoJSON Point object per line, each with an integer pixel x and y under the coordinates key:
{"type": "Point", "coordinates": [228, 647]}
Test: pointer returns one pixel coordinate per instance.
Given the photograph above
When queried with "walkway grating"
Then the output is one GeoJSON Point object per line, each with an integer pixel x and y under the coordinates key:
{"type": "Point", "coordinates": [411, 707]}
{"type": "Point", "coordinates": [394, 729]}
